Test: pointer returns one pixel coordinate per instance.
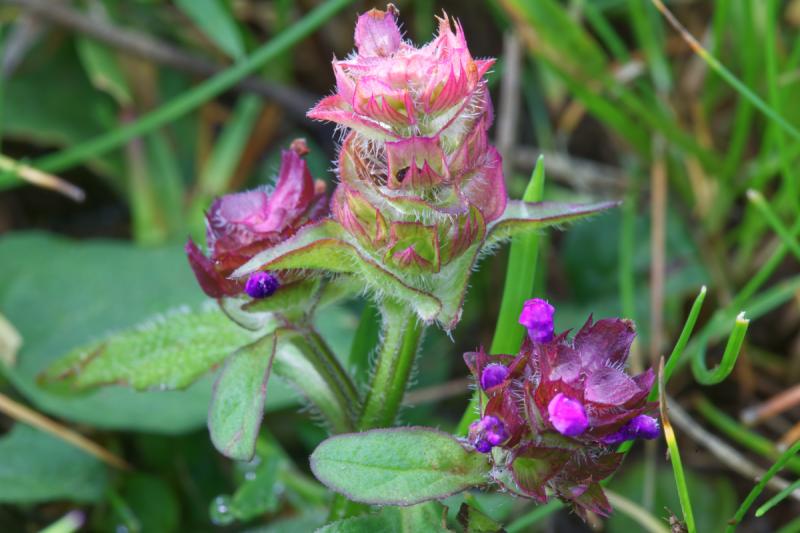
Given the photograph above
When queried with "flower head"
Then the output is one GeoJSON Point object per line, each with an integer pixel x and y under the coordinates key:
{"type": "Point", "coordinates": [239, 225]}
{"type": "Point", "coordinates": [563, 403]}
{"type": "Point", "coordinates": [419, 180]}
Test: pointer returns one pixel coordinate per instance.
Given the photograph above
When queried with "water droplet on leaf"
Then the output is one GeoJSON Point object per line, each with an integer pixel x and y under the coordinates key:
{"type": "Point", "coordinates": [220, 511]}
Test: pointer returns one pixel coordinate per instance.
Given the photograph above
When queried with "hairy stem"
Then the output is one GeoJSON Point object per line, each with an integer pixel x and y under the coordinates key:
{"type": "Point", "coordinates": [401, 337]}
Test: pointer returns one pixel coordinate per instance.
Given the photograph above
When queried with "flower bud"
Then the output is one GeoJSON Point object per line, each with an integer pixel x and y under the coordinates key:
{"type": "Point", "coordinates": [239, 225]}
{"type": "Point", "coordinates": [537, 317]}
{"type": "Point", "coordinates": [493, 375]}
{"type": "Point", "coordinates": [486, 433]}
{"type": "Point", "coordinates": [567, 415]}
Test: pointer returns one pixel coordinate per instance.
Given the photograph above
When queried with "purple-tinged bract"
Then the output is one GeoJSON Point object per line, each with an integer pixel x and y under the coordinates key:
{"type": "Point", "coordinates": [240, 225]}
{"type": "Point", "coordinates": [563, 404]}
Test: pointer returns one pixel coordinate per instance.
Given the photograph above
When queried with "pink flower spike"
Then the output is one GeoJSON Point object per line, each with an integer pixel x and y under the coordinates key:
{"type": "Point", "coordinates": [377, 33]}
{"type": "Point", "coordinates": [567, 415]}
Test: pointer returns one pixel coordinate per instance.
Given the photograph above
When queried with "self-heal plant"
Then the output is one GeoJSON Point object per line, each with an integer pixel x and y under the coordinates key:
{"type": "Point", "coordinates": [421, 191]}
{"type": "Point", "coordinates": [560, 405]}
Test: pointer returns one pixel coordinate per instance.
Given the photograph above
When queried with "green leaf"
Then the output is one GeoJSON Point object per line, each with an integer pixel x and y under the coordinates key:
{"type": "Point", "coordinates": [428, 517]}
{"type": "Point", "coordinates": [400, 466]}
{"type": "Point", "coordinates": [103, 69]}
{"type": "Point", "coordinates": [153, 502]}
{"type": "Point", "coordinates": [169, 351]}
{"type": "Point", "coordinates": [474, 521]}
{"type": "Point", "coordinates": [217, 23]}
{"type": "Point", "coordinates": [326, 246]}
{"type": "Point", "coordinates": [520, 217]}
{"type": "Point", "coordinates": [258, 494]}
{"type": "Point", "coordinates": [239, 395]}
{"type": "Point", "coordinates": [61, 295]}
{"type": "Point", "coordinates": [37, 467]}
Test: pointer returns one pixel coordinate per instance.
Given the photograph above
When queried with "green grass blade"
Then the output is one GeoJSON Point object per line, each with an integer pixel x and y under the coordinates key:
{"type": "Point", "coordinates": [785, 234]}
{"type": "Point", "coordinates": [741, 434]}
{"type": "Point", "coordinates": [726, 74]}
{"type": "Point", "coordinates": [217, 23]}
{"type": "Point", "coordinates": [675, 456]}
{"type": "Point", "coordinates": [778, 498]}
{"type": "Point", "coordinates": [713, 377]}
{"type": "Point", "coordinates": [194, 98]}
{"type": "Point", "coordinates": [782, 461]}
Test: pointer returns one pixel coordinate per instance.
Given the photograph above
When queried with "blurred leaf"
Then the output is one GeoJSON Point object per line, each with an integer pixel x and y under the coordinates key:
{"type": "Point", "coordinates": [428, 517]}
{"type": "Point", "coordinates": [239, 394]}
{"type": "Point", "coordinates": [165, 352]}
{"type": "Point", "coordinates": [62, 294]}
{"type": "Point", "coordinates": [103, 69]}
{"type": "Point", "coordinates": [153, 503]}
{"type": "Point", "coordinates": [257, 494]}
{"type": "Point", "coordinates": [400, 466]}
{"type": "Point", "coordinates": [36, 467]}
{"type": "Point", "coordinates": [48, 117]}
{"type": "Point", "coordinates": [217, 23]}
{"type": "Point", "coordinates": [713, 499]}
{"type": "Point", "coordinates": [474, 521]}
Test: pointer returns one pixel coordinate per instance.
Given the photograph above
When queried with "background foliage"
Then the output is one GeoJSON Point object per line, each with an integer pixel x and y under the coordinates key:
{"type": "Point", "coordinates": [616, 100]}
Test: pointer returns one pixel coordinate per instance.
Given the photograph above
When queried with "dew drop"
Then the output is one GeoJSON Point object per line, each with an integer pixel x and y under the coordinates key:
{"type": "Point", "coordinates": [250, 476]}
{"type": "Point", "coordinates": [220, 511]}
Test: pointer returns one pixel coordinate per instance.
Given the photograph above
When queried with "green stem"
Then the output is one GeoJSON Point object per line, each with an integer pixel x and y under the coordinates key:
{"type": "Point", "coordinates": [402, 333]}
{"type": "Point", "coordinates": [194, 98]}
{"type": "Point", "coordinates": [316, 373]}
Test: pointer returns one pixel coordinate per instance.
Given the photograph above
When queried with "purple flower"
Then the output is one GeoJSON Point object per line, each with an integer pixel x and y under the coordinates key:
{"type": "Point", "coordinates": [261, 285]}
{"type": "Point", "coordinates": [567, 415]}
{"type": "Point", "coordinates": [537, 316]}
{"type": "Point", "coordinates": [563, 402]}
{"type": "Point", "coordinates": [493, 375]}
{"type": "Point", "coordinates": [240, 225]}
{"type": "Point", "coordinates": [640, 427]}
{"type": "Point", "coordinates": [486, 433]}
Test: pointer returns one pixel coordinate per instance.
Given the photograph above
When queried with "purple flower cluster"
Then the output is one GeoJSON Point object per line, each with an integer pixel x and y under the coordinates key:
{"type": "Point", "coordinates": [558, 406]}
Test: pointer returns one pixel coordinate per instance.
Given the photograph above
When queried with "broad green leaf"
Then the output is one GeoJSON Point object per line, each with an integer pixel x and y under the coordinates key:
{"type": "Point", "coordinates": [520, 217]}
{"type": "Point", "coordinates": [62, 294]}
{"type": "Point", "coordinates": [102, 67]}
{"type": "Point", "coordinates": [428, 517]}
{"type": "Point", "coordinates": [239, 395]}
{"type": "Point", "coordinates": [217, 23]}
{"type": "Point", "coordinates": [169, 351]}
{"type": "Point", "coordinates": [38, 467]}
{"type": "Point", "coordinates": [400, 466]}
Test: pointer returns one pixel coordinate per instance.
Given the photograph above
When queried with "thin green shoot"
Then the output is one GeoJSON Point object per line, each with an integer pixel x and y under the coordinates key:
{"type": "Point", "coordinates": [778, 498]}
{"type": "Point", "coordinates": [786, 235]}
{"type": "Point", "coordinates": [703, 374]}
{"type": "Point", "coordinates": [675, 456]}
{"type": "Point", "coordinates": [785, 458]}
